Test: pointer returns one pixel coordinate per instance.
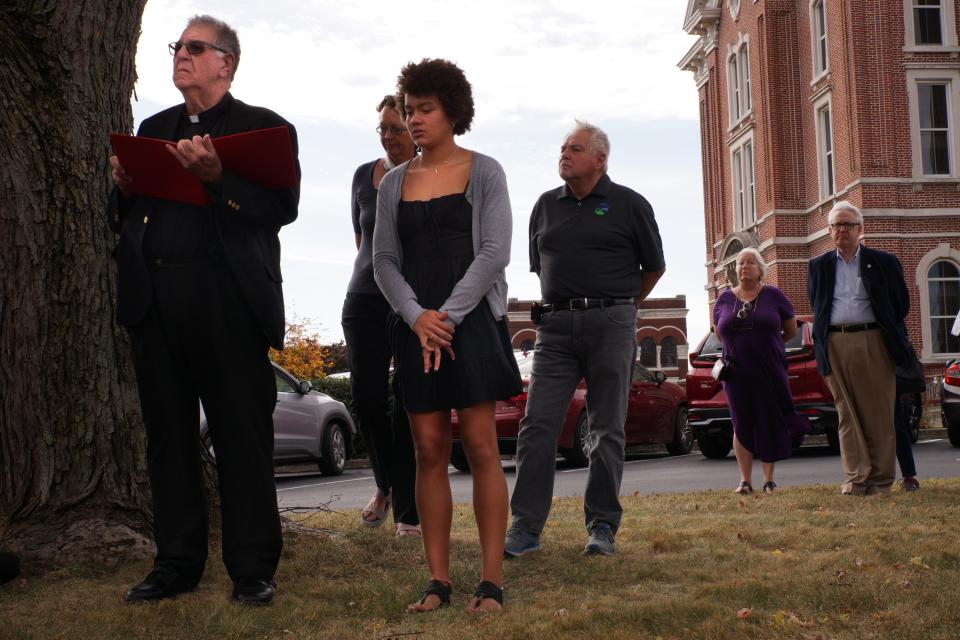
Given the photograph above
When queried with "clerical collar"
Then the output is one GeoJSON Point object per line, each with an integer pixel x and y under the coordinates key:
{"type": "Point", "coordinates": [212, 113]}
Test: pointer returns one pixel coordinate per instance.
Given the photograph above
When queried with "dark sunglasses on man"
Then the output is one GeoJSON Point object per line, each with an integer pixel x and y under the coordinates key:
{"type": "Point", "coordinates": [194, 47]}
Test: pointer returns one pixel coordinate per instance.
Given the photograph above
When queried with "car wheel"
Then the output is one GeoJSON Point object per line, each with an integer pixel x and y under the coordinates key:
{"type": "Point", "coordinates": [715, 445]}
{"type": "Point", "coordinates": [682, 441]}
{"type": "Point", "coordinates": [458, 458]}
{"type": "Point", "coordinates": [953, 431]}
{"type": "Point", "coordinates": [833, 439]}
{"type": "Point", "coordinates": [333, 450]}
{"type": "Point", "coordinates": [579, 455]}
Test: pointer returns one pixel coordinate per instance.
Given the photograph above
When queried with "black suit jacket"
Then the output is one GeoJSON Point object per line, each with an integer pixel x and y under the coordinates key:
{"type": "Point", "coordinates": [247, 217]}
{"type": "Point", "coordinates": [882, 278]}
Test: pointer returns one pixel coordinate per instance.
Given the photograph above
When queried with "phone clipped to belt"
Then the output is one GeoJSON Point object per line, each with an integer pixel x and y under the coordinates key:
{"type": "Point", "coordinates": [536, 312]}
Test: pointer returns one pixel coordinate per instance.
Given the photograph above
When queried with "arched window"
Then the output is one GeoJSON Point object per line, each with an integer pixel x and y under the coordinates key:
{"type": "Point", "coordinates": [648, 353]}
{"type": "Point", "coordinates": [668, 353]}
{"type": "Point", "coordinates": [943, 286]}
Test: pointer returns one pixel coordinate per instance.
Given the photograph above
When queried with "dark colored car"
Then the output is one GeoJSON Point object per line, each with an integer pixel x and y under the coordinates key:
{"type": "Point", "coordinates": [709, 415]}
{"type": "Point", "coordinates": [308, 426]}
{"type": "Point", "coordinates": [656, 414]}
{"type": "Point", "coordinates": [950, 401]}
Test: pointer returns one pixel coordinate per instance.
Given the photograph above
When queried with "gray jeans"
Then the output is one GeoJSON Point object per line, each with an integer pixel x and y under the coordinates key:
{"type": "Point", "coordinates": [599, 345]}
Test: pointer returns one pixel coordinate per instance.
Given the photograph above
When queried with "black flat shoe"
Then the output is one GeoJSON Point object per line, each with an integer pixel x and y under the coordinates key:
{"type": "Point", "coordinates": [769, 487]}
{"type": "Point", "coordinates": [255, 592]}
{"type": "Point", "coordinates": [160, 584]}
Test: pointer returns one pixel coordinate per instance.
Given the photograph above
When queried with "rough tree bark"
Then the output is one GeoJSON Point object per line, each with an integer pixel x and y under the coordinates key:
{"type": "Point", "coordinates": [72, 465]}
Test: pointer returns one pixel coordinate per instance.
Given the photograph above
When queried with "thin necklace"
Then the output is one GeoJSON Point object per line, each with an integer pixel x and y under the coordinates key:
{"type": "Point", "coordinates": [436, 167]}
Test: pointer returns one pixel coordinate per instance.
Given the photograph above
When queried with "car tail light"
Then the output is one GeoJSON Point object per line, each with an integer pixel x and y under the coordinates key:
{"type": "Point", "coordinates": [694, 417]}
{"type": "Point", "coordinates": [522, 397]}
{"type": "Point", "coordinates": [810, 412]}
{"type": "Point", "coordinates": [952, 375]}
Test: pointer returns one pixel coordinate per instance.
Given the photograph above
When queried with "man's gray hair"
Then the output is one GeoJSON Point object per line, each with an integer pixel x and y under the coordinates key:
{"type": "Point", "coordinates": [227, 37]}
{"type": "Point", "coordinates": [599, 142]}
{"type": "Point", "coordinates": [753, 251]}
{"type": "Point", "coordinates": [845, 205]}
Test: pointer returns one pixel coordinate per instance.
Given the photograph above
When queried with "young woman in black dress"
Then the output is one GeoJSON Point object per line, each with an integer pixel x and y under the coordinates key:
{"type": "Point", "coordinates": [441, 245]}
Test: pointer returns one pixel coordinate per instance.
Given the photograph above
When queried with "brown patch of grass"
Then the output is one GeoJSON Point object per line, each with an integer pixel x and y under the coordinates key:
{"type": "Point", "coordinates": [805, 563]}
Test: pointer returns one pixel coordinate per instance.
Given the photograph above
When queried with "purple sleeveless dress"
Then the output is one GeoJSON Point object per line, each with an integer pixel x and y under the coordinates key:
{"type": "Point", "coordinates": [758, 392]}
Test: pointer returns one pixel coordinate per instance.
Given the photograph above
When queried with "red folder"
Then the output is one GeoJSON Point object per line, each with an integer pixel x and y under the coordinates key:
{"type": "Point", "coordinates": [264, 156]}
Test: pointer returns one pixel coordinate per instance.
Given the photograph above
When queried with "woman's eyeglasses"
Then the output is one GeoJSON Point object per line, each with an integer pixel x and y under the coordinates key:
{"type": "Point", "coordinates": [396, 131]}
{"type": "Point", "coordinates": [194, 47]}
{"type": "Point", "coordinates": [744, 310]}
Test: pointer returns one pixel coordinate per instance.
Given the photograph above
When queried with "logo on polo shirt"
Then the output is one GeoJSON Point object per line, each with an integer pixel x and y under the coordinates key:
{"type": "Point", "coordinates": [602, 209]}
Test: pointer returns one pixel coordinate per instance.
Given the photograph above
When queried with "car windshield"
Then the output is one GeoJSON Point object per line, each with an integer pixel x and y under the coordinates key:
{"type": "Point", "coordinates": [524, 363]}
{"type": "Point", "coordinates": [711, 346]}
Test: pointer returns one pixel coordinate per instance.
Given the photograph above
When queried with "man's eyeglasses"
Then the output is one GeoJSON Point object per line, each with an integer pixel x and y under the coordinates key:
{"type": "Point", "coordinates": [194, 47]}
{"type": "Point", "coordinates": [744, 310]}
{"type": "Point", "coordinates": [396, 131]}
{"type": "Point", "coordinates": [845, 226]}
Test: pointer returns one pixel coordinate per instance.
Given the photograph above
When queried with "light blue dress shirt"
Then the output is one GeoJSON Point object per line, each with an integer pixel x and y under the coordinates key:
{"type": "Point", "coordinates": [850, 301]}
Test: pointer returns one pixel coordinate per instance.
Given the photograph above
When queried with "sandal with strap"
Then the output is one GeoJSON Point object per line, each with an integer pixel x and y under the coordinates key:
{"type": "Point", "coordinates": [441, 590]}
{"type": "Point", "coordinates": [379, 515]}
{"type": "Point", "coordinates": [485, 590]}
{"type": "Point", "coordinates": [744, 488]}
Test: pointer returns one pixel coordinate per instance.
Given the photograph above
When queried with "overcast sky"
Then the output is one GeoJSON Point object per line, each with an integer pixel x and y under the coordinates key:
{"type": "Point", "coordinates": [535, 65]}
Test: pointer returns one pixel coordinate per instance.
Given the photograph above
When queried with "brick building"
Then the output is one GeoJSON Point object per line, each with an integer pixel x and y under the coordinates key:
{"type": "Point", "coordinates": [806, 102]}
{"type": "Point", "coordinates": [661, 333]}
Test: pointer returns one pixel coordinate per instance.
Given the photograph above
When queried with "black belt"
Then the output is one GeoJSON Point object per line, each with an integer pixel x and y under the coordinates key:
{"type": "Point", "coordinates": [579, 304]}
{"type": "Point", "coordinates": [853, 327]}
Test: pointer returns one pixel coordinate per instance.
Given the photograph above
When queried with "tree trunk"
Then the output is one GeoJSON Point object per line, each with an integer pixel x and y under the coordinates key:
{"type": "Point", "coordinates": [73, 481]}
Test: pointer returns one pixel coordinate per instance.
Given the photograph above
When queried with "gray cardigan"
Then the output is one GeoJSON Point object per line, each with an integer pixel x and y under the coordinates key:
{"type": "Point", "coordinates": [492, 229]}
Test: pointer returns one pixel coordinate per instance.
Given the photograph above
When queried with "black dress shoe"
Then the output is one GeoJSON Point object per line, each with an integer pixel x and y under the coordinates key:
{"type": "Point", "coordinates": [256, 592]}
{"type": "Point", "coordinates": [161, 583]}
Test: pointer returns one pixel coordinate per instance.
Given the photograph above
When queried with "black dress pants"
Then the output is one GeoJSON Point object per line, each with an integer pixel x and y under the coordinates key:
{"type": "Point", "coordinates": [200, 342]}
{"type": "Point", "coordinates": [385, 432]}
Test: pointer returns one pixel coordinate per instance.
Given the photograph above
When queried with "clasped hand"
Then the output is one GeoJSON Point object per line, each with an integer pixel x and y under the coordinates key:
{"type": "Point", "coordinates": [435, 333]}
{"type": "Point", "coordinates": [199, 157]}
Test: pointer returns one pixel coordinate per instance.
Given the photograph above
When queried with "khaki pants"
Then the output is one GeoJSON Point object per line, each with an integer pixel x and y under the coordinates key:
{"type": "Point", "coordinates": [863, 382]}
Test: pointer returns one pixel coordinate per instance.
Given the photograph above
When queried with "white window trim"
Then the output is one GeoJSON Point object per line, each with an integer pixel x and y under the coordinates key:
{"type": "Point", "coordinates": [745, 101]}
{"type": "Point", "coordinates": [825, 101]}
{"type": "Point", "coordinates": [815, 41]}
{"type": "Point", "coordinates": [734, 7]}
{"type": "Point", "coordinates": [739, 145]}
{"type": "Point", "coordinates": [943, 252]}
{"type": "Point", "coordinates": [947, 21]}
{"type": "Point", "coordinates": [915, 77]}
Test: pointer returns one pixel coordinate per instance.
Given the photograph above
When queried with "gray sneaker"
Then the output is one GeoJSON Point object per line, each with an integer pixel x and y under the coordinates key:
{"type": "Point", "coordinates": [600, 540]}
{"type": "Point", "coordinates": [519, 542]}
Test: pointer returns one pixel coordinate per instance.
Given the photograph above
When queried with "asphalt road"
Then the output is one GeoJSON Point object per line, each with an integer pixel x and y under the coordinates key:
{"type": "Point", "coordinates": [646, 473]}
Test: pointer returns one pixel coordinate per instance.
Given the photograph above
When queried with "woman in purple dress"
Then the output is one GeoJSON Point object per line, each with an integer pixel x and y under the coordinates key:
{"type": "Point", "coordinates": [754, 321]}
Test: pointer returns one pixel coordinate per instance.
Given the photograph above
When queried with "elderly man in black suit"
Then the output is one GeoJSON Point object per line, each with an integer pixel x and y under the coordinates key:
{"type": "Point", "coordinates": [859, 301]}
{"type": "Point", "coordinates": [199, 289]}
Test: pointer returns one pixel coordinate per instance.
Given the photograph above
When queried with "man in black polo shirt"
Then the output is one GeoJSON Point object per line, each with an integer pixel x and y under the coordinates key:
{"type": "Point", "coordinates": [596, 247]}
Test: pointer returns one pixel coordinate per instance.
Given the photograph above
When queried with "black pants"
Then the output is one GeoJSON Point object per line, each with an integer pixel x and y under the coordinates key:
{"type": "Point", "coordinates": [908, 467]}
{"type": "Point", "coordinates": [385, 432]}
{"type": "Point", "coordinates": [201, 343]}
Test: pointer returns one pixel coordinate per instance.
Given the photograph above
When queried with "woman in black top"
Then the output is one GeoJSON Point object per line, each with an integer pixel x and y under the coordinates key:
{"type": "Point", "coordinates": [365, 313]}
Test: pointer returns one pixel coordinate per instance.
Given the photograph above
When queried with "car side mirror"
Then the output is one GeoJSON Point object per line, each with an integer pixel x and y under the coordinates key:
{"type": "Point", "coordinates": [305, 387]}
{"type": "Point", "coordinates": [659, 377]}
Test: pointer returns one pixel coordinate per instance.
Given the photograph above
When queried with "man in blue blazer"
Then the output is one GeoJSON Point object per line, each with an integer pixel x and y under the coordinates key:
{"type": "Point", "coordinates": [859, 301]}
{"type": "Point", "coordinates": [199, 289]}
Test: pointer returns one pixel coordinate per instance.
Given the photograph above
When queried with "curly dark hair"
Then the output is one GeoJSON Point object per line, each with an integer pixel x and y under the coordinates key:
{"type": "Point", "coordinates": [435, 76]}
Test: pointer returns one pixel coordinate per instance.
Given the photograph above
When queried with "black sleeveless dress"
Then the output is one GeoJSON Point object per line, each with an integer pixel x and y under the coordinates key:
{"type": "Point", "coordinates": [437, 243]}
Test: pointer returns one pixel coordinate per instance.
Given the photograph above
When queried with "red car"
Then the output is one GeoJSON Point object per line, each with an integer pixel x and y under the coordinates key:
{"type": "Point", "coordinates": [709, 414]}
{"type": "Point", "coordinates": [656, 414]}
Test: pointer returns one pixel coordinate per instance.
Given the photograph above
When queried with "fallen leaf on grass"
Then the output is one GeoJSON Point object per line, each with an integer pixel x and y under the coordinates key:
{"type": "Point", "coordinates": [561, 612]}
{"type": "Point", "coordinates": [743, 613]}
{"type": "Point", "coordinates": [636, 494]}
{"type": "Point", "coordinates": [741, 504]}
{"type": "Point", "coordinates": [898, 565]}
{"type": "Point", "coordinates": [918, 562]}
{"type": "Point", "coordinates": [906, 584]}
{"type": "Point", "coordinates": [851, 525]}
{"type": "Point", "coordinates": [840, 575]}
{"type": "Point", "coordinates": [777, 552]}
{"type": "Point", "coordinates": [844, 616]}
{"type": "Point", "coordinates": [783, 617]}
{"type": "Point", "coordinates": [859, 563]}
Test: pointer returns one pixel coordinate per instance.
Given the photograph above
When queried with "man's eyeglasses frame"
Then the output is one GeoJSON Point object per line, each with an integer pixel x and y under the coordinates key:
{"type": "Point", "coordinates": [195, 47]}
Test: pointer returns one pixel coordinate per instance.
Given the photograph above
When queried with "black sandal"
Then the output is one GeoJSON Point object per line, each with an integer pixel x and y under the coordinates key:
{"type": "Point", "coordinates": [442, 590]}
{"type": "Point", "coordinates": [744, 488]}
{"type": "Point", "coordinates": [487, 589]}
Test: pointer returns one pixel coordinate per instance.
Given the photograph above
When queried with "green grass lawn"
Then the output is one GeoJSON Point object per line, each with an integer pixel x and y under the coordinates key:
{"type": "Point", "coordinates": [804, 563]}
